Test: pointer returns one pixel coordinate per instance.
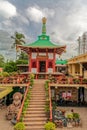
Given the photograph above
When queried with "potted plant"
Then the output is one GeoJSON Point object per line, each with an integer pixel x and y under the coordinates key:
{"type": "Point", "coordinates": [84, 81]}
{"type": "Point", "coordinates": [76, 116]}
{"type": "Point", "coordinates": [70, 117]}
{"type": "Point", "coordinates": [76, 81]}
{"type": "Point", "coordinates": [19, 126]}
{"type": "Point", "coordinates": [50, 126]}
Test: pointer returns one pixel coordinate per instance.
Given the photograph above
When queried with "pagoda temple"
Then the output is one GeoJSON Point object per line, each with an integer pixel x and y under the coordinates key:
{"type": "Point", "coordinates": [42, 55]}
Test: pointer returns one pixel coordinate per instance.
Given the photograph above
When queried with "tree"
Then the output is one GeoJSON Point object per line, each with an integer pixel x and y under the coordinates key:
{"type": "Point", "coordinates": [22, 59]}
{"type": "Point", "coordinates": [2, 62]}
{"type": "Point", "coordinates": [18, 40]}
{"type": "Point", "coordinates": [10, 66]}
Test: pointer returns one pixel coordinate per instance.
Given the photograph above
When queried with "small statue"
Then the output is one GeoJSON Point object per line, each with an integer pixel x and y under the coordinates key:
{"type": "Point", "coordinates": [13, 109]}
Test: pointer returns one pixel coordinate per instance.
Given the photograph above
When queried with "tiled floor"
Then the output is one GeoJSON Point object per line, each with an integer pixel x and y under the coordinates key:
{"type": "Point", "coordinates": [6, 125]}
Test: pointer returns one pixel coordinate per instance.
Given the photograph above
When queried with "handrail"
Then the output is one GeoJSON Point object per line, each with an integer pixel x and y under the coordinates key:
{"type": "Point", "coordinates": [20, 111]}
{"type": "Point", "coordinates": [50, 104]}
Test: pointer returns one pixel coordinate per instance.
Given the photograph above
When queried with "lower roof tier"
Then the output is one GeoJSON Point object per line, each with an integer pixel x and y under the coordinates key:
{"type": "Point", "coordinates": [57, 50]}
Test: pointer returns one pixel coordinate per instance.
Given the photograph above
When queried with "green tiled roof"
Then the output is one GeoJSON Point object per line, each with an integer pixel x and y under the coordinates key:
{"type": "Point", "coordinates": [43, 41]}
{"type": "Point", "coordinates": [62, 62]}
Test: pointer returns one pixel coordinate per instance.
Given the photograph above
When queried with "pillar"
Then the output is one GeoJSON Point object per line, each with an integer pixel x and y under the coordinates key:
{"type": "Point", "coordinates": [81, 69]}
{"type": "Point", "coordinates": [30, 63]}
{"type": "Point", "coordinates": [54, 61]}
{"type": "Point", "coordinates": [73, 69]}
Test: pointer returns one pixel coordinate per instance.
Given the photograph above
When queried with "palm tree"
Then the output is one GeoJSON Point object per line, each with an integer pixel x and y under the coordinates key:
{"type": "Point", "coordinates": [18, 40]}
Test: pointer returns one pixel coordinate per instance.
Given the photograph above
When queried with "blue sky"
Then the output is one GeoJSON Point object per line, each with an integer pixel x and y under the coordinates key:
{"type": "Point", "coordinates": [66, 21]}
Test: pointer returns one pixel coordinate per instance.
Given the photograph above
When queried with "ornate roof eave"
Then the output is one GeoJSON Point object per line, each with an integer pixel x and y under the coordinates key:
{"type": "Point", "coordinates": [61, 50]}
{"type": "Point", "coordinates": [58, 49]}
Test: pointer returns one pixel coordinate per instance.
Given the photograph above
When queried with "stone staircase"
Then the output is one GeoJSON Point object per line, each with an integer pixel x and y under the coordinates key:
{"type": "Point", "coordinates": [35, 117]}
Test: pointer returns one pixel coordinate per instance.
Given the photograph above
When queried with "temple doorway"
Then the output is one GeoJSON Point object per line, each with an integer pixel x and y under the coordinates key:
{"type": "Point", "coordinates": [42, 66]}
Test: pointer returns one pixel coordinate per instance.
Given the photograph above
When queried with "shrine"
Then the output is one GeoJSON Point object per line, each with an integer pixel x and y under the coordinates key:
{"type": "Point", "coordinates": [42, 55]}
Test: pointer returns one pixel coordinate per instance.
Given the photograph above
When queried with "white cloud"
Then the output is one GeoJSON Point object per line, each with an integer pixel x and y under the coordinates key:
{"type": "Point", "coordinates": [22, 19]}
{"type": "Point", "coordinates": [7, 10]}
{"type": "Point", "coordinates": [36, 13]}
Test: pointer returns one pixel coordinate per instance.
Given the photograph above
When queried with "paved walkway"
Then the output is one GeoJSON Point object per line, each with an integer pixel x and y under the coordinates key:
{"type": "Point", "coordinates": [4, 124]}
{"type": "Point", "coordinates": [83, 115]}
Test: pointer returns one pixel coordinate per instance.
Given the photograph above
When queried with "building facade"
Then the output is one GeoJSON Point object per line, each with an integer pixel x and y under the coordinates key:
{"type": "Point", "coordinates": [42, 54]}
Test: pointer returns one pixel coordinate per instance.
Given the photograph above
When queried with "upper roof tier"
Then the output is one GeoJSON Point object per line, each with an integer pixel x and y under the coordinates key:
{"type": "Point", "coordinates": [43, 41]}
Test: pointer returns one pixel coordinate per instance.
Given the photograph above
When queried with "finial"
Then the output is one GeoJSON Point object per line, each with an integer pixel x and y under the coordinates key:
{"type": "Point", "coordinates": [44, 20]}
{"type": "Point", "coordinates": [44, 25]}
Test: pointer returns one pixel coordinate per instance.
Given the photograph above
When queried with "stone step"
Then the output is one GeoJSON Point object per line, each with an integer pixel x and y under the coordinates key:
{"type": "Point", "coordinates": [37, 93]}
{"type": "Point", "coordinates": [36, 109]}
{"type": "Point", "coordinates": [35, 112]}
{"type": "Point", "coordinates": [35, 119]}
{"type": "Point", "coordinates": [37, 98]}
{"type": "Point", "coordinates": [36, 123]}
{"type": "Point", "coordinates": [35, 115]}
{"type": "Point", "coordinates": [38, 88]}
{"type": "Point", "coordinates": [34, 127]}
{"type": "Point", "coordinates": [37, 105]}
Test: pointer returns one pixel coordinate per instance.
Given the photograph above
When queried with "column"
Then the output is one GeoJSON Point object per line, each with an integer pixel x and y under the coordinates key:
{"type": "Point", "coordinates": [46, 62]}
{"type": "Point", "coordinates": [30, 63]}
{"type": "Point", "coordinates": [73, 69]}
{"type": "Point", "coordinates": [54, 61]}
{"type": "Point", "coordinates": [80, 69]}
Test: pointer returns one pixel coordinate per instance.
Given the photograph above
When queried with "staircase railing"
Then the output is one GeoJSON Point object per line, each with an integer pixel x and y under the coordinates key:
{"type": "Point", "coordinates": [50, 104]}
{"type": "Point", "coordinates": [20, 111]}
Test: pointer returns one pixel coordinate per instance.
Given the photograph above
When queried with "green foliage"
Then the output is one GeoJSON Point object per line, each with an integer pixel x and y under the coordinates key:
{"type": "Point", "coordinates": [4, 74]}
{"type": "Point", "coordinates": [26, 103]}
{"type": "Point", "coordinates": [19, 126]}
{"type": "Point", "coordinates": [84, 81]}
{"type": "Point", "coordinates": [76, 116]}
{"type": "Point", "coordinates": [10, 66]}
{"type": "Point", "coordinates": [31, 82]}
{"type": "Point", "coordinates": [18, 39]}
{"type": "Point", "coordinates": [50, 126]}
{"type": "Point", "coordinates": [2, 62]}
{"type": "Point", "coordinates": [23, 56]}
{"type": "Point", "coordinates": [70, 116]}
{"type": "Point", "coordinates": [22, 59]}
{"type": "Point", "coordinates": [31, 76]}
{"type": "Point", "coordinates": [46, 85]}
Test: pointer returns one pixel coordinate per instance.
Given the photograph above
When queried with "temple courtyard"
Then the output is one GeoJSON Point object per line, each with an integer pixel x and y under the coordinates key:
{"type": "Point", "coordinates": [5, 124]}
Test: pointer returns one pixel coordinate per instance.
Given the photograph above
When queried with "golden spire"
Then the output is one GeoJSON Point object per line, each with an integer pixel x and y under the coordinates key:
{"type": "Point", "coordinates": [44, 25]}
{"type": "Point", "coordinates": [44, 20]}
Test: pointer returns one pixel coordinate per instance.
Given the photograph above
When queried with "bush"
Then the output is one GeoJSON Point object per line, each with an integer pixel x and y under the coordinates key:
{"type": "Point", "coordinates": [70, 116]}
{"type": "Point", "coordinates": [19, 126]}
{"type": "Point", "coordinates": [50, 126]}
{"type": "Point", "coordinates": [76, 116]}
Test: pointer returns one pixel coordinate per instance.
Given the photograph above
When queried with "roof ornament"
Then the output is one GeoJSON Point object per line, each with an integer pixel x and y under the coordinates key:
{"type": "Point", "coordinates": [44, 25]}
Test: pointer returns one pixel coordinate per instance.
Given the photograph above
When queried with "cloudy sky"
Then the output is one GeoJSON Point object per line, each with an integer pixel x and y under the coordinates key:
{"type": "Point", "coordinates": [66, 21]}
